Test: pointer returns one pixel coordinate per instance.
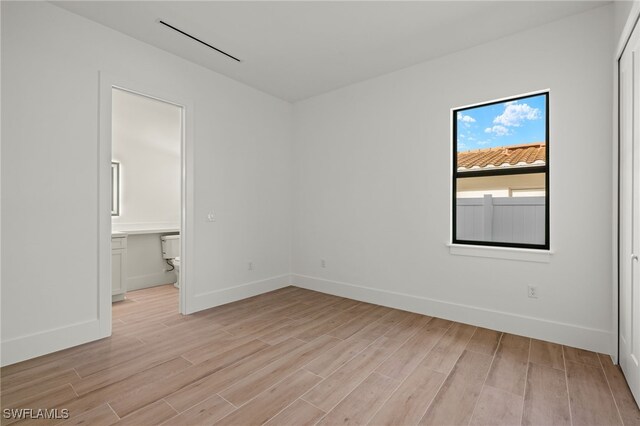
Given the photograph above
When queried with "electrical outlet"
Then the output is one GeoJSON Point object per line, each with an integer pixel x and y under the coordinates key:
{"type": "Point", "coordinates": [323, 264]}
{"type": "Point", "coordinates": [532, 292]}
{"type": "Point", "coordinates": [211, 216]}
{"type": "Point", "coordinates": [249, 266]}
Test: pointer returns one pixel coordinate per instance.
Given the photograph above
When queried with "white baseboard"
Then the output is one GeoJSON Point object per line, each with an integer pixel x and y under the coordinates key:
{"type": "Point", "coordinates": [231, 294]}
{"type": "Point", "coordinates": [37, 344]}
{"type": "Point", "coordinates": [150, 280]}
{"type": "Point", "coordinates": [567, 334]}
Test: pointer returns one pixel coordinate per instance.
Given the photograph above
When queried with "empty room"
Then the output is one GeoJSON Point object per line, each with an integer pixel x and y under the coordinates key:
{"type": "Point", "coordinates": [320, 213]}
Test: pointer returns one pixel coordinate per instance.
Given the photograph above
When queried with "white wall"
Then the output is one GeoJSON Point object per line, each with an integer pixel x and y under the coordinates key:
{"type": "Point", "coordinates": [372, 187]}
{"type": "Point", "coordinates": [50, 79]}
{"type": "Point", "coordinates": [146, 141]}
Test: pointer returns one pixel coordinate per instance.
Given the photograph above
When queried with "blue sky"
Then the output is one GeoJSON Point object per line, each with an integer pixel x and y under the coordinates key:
{"type": "Point", "coordinates": [502, 124]}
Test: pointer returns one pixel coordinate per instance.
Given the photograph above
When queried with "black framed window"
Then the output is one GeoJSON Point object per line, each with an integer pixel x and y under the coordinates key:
{"type": "Point", "coordinates": [500, 182]}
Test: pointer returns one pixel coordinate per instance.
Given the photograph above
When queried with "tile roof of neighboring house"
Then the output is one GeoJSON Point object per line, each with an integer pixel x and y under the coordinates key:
{"type": "Point", "coordinates": [530, 154]}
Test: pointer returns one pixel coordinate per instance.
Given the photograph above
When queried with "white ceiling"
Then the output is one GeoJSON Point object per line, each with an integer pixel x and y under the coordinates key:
{"type": "Point", "coordinates": [294, 50]}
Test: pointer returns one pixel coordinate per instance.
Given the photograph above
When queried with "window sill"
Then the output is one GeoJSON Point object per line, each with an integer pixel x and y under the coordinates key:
{"type": "Point", "coordinates": [508, 253]}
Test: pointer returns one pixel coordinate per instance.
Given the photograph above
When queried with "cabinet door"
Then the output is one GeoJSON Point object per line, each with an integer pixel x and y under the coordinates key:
{"type": "Point", "coordinates": [117, 269]}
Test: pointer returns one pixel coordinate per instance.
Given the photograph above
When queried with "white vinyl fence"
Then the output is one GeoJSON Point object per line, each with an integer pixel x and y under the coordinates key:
{"type": "Point", "coordinates": [501, 219]}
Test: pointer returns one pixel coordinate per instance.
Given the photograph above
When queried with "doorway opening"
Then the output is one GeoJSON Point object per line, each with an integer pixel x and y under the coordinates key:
{"type": "Point", "coordinates": [147, 204]}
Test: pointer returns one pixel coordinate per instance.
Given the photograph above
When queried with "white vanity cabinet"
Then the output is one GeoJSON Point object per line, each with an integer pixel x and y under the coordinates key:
{"type": "Point", "coordinates": [118, 266]}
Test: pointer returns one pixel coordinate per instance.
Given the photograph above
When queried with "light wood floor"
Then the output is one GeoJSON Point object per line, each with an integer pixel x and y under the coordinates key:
{"type": "Point", "coordinates": [299, 357]}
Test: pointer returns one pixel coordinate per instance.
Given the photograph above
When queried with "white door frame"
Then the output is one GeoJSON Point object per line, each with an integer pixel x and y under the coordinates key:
{"type": "Point", "coordinates": [634, 16]}
{"type": "Point", "coordinates": [107, 83]}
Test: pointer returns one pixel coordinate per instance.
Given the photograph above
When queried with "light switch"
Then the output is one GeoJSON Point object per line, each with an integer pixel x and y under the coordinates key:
{"type": "Point", "coordinates": [211, 217]}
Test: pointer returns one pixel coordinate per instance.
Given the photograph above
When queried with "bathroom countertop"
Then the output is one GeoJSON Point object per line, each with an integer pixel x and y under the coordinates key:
{"type": "Point", "coordinates": [142, 229]}
{"type": "Point", "coordinates": [153, 231]}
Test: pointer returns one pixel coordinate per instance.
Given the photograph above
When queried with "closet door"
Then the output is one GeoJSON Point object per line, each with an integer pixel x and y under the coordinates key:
{"type": "Point", "coordinates": [630, 213]}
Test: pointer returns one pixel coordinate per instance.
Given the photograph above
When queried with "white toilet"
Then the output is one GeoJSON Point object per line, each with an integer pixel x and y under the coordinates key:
{"type": "Point", "coordinates": [171, 252]}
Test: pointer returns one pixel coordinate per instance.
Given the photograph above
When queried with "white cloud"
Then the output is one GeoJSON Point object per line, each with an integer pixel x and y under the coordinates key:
{"type": "Point", "coordinates": [515, 113]}
{"type": "Point", "coordinates": [497, 130]}
{"type": "Point", "coordinates": [466, 118]}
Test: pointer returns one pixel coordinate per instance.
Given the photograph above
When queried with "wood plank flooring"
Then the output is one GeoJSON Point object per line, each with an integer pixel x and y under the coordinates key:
{"type": "Point", "coordinates": [298, 357]}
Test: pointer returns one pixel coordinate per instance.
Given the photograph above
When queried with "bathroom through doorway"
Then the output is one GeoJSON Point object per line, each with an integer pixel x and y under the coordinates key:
{"type": "Point", "coordinates": [146, 204]}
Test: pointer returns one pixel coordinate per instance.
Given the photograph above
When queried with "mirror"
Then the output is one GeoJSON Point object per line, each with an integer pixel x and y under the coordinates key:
{"type": "Point", "coordinates": [115, 188]}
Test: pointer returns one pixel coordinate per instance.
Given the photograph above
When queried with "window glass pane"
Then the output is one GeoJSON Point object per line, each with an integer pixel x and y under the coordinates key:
{"type": "Point", "coordinates": [498, 209]}
{"type": "Point", "coordinates": [508, 134]}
